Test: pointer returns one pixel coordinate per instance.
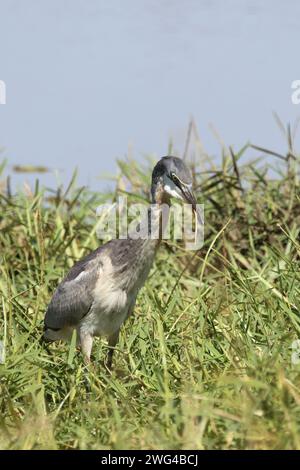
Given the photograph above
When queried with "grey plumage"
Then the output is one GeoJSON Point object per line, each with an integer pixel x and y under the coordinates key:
{"type": "Point", "coordinates": [100, 291]}
{"type": "Point", "coordinates": [73, 299]}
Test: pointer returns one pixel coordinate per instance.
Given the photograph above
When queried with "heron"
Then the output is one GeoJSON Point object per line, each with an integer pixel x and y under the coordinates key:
{"type": "Point", "coordinates": [99, 292]}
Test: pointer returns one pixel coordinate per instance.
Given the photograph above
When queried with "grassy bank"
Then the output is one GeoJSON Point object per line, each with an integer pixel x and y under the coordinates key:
{"type": "Point", "coordinates": [205, 361]}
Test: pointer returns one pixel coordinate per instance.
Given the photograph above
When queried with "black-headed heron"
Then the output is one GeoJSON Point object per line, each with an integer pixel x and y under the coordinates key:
{"type": "Point", "coordinates": [99, 292]}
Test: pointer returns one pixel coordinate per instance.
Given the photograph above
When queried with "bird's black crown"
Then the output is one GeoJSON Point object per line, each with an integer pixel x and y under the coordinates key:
{"type": "Point", "coordinates": [174, 168]}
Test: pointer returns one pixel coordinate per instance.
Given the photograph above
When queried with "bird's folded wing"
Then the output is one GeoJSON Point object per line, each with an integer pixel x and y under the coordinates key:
{"type": "Point", "coordinates": [74, 296]}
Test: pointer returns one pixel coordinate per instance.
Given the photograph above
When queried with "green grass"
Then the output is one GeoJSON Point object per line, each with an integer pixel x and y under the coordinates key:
{"type": "Point", "coordinates": [204, 362]}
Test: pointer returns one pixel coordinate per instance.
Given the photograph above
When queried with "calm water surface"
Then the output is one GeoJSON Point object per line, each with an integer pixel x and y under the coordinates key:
{"type": "Point", "coordinates": [89, 79]}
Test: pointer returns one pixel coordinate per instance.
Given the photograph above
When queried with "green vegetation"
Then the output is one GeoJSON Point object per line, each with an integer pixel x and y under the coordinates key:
{"type": "Point", "coordinates": [204, 362]}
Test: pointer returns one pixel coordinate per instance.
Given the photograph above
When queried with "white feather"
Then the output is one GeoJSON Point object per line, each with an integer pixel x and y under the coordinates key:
{"type": "Point", "coordinates": [171, 188]}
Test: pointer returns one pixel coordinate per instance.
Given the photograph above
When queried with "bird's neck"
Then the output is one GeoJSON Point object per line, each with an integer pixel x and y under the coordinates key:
{"type": "Point", "coordinates": [158, 213]}
{"type": "Point", "coordinates": [152, 227]}
{"type": "Point", "coordinates": [158, 217]}
{"type": "Point", "coordinates": [143, 245]}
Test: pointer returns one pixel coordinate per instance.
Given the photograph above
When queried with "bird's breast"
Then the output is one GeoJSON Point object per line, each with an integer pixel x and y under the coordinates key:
{"type": "Point", "coordinates": [109, 309]}
{"type": "Point", "coordinates": [109, 295]}
{"type": "Point", "coordinates": [115, 293]}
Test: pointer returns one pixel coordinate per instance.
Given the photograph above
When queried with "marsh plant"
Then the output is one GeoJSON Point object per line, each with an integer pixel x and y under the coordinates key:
{"type": "Point", "coordinates": [208, 360]}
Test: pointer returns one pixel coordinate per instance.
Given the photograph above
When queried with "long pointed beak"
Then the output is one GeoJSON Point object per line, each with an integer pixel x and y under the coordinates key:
{"type": "Point", "coordinates": [190, 198]}
{"type": "Point", "coordinates": [188, 195]}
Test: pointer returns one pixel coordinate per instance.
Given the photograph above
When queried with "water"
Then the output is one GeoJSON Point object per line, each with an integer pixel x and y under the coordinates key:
{"type": "Point", "coordinates": [88, 80]}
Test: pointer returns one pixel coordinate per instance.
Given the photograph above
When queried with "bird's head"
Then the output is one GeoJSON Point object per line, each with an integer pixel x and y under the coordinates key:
{"type": "Point", "coordinates": [172, 178]}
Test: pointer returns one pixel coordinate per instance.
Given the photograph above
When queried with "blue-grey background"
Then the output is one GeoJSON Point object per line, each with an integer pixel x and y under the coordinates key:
{"type": "Point", "coordinates": [89, 79]}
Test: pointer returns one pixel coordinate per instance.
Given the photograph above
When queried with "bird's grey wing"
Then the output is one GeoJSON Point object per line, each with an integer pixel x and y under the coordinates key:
{"type": "Point", "coordinates": [73, 298]}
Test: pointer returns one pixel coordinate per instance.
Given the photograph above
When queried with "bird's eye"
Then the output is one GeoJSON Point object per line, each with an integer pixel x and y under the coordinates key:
{"type": "Point", "coordinates": [174, 177]}
{"type": "Point", "coordinates": [176, 180]}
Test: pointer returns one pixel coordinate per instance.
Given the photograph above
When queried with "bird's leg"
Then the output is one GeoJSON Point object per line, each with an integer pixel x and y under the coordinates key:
{"type": "Point", "coordinates": [112, 341]}
{"type": "Point", "coordinates": [86, 342]}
